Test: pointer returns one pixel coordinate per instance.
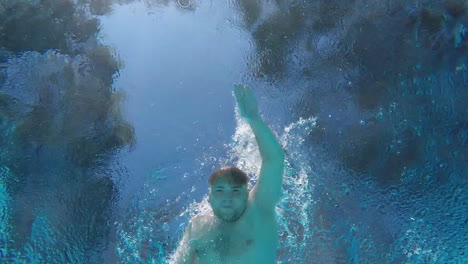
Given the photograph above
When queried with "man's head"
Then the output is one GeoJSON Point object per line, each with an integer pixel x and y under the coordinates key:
{"type": "Point", "coordinates": [228, 193]}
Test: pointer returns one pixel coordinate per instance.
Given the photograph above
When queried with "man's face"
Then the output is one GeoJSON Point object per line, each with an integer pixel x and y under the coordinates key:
{"type": "Point", "coordinates": [228, 200]}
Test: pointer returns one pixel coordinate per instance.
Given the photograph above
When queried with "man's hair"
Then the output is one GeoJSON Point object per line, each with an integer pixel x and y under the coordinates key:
{"type": "Point", "coordinates": [230, 173]}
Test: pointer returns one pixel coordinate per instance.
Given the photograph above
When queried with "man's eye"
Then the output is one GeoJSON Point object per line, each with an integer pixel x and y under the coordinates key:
{"type": "Point", "coordinates": [218, 190]}
{"type": "Point", "coordinates": [236, 190]}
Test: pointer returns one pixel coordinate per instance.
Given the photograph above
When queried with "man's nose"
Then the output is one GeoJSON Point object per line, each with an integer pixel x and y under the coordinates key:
{"type": "Point", "coordinates": [227, 198]}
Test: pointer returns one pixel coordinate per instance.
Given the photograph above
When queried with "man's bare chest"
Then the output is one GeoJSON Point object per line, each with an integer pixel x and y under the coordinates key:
{"type": "Point", "coordinates": [251, 239]}
{"type": "Point", "coordinates": [223, 245]}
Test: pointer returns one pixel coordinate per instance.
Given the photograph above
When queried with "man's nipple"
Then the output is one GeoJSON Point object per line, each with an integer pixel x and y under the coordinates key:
{"type": "Point", "coordinates": [249, 242]}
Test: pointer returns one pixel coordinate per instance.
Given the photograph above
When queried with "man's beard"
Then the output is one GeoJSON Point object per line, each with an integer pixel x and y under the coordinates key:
{"type": "Point", "coordinates": [233, 218]}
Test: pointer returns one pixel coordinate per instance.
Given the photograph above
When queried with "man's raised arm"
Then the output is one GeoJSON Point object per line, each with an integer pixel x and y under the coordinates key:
{"type": "Point", "coordinates": [267, 192]}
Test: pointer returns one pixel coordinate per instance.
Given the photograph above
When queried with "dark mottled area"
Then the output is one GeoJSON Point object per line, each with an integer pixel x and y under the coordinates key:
{"type": "Point", "coordinates": [387, 81]}
{"type": "Point", "coordinates": [61, 124]}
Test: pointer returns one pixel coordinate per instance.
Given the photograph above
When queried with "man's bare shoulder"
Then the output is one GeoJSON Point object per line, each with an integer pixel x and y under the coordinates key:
{"type": "Point", "coordinates": [200, 225]}
{"type": "Point", "coordinates": [201, 219]}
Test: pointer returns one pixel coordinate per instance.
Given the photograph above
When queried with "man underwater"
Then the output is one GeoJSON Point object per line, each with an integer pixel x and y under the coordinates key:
{"type": "Point", "coordinates": [242, 227]}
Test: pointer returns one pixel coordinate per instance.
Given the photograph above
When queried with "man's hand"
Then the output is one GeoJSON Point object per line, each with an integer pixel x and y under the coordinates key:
{"type": "Point", "coordinates": [248, 108]}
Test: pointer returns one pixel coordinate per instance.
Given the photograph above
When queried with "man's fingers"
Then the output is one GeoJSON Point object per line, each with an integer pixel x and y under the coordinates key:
{"type": "Point", "coordinates": [238, 95]}
{"type": "Point", "coordinates": [240, 92]}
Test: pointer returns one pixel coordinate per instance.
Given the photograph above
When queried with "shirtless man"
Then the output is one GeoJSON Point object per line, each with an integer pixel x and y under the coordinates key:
{"type": "Point", "coordinates": [242, 228]}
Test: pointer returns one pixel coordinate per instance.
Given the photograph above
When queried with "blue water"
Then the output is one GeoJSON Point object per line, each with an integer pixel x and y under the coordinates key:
{"type": "Point", "coordinates": [113, 114]}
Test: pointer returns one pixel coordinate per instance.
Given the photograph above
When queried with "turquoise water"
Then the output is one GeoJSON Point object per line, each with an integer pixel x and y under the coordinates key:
{"type": "Point", "coordinates": [114, 114]}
